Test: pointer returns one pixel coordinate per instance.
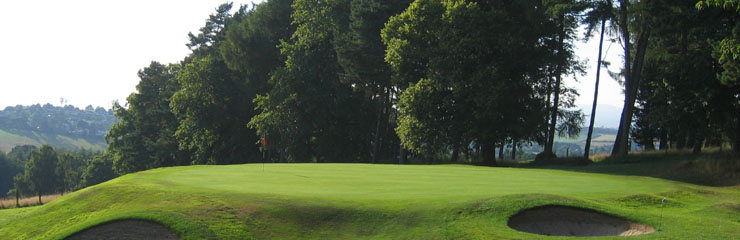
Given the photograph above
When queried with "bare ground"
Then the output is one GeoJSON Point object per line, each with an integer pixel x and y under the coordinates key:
{"type": "Point", "coordinates": [125, 230]}
{"type": "Point", "coordinates": [570, 221]}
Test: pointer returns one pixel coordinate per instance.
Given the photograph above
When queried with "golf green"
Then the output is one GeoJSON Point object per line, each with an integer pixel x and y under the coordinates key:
{"type": "Point", "coordinates": [364, 201]}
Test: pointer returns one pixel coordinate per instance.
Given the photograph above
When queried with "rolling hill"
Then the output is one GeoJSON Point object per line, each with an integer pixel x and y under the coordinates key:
{"type": "Point", "coordinates": [62, 127]}
{"type": "Point", "coordinates": [10, 138]}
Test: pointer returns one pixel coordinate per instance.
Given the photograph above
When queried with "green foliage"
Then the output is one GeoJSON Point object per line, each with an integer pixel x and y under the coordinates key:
{"type": "Point", "coordinates": [69, 171]}
{"type": "Point", "coordinates": [213, 114]}
{"type": "Point", "coordinates": [727, 4]}
{"type": "Point", "coordinates": [681, 79]}
{"type": "Point", "coordinates": [65, 174]}
{"type": "Point", "coordinates": [251, 41]}
{"type": "Point", "coordinates": [100, 169]}
{"type": "Point", "coordinates": [13, 164]}
{"type": "Point", "coordinates": [361, 53]}
{"type": "Point", "coordinates": [41, 170]}
{"type": "Point", "coordinates": [144, 138]}
{"type": "Point", "coordinates": [212, 34]}
{"type": "Point", "coordinates": [7, 171]}
{"type": "Point", "coordinates": [465, 81]}
{"type": "Point", "coordinates": [310, 113]}
{"type": "Point", "coordinates": [89, 123]}
{"type": "Point", "coordinates": [21, 186]}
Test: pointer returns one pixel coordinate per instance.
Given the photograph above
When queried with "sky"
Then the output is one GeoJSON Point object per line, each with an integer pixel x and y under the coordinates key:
{"type": "Point", "coordinates": [89, 52]}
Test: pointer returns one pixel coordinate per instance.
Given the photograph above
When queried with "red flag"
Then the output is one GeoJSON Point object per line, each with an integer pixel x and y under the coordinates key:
{"type": "Point", "coordinates": [264, 141]}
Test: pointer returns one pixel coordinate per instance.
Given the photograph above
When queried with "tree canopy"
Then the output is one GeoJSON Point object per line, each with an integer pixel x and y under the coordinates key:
{"type": "Point", "coordinates": [371, 80]}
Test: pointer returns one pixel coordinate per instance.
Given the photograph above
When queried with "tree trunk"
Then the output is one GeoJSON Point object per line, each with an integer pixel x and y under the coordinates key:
{"type": "Point", "coordinates": [663, 140]}
{"type": "Point", "coordinates": [681, 141]}
{"type": "Point", "coordinates": [620, 147]}
{"type": "Point", "coordinates": [40, 198]}
{"type": "Point", "coordinates": [455, 153]}
{"type": "Point", "coordinates": [556, 97]}
{"type": "Point", "coordinates": [17, 198]}
{"type": "Point", "coordinates": [378, 120]}
{"type": "Point", "coordinates": [376, 143]}
{"type": "Point", "coordinates": [489, 154]}
{"type": "Point", "coordinates": [513, 150]}
{"type": "Point", "coordinates": [698, 142]}
{"type": "Point", "coordinates": [736, 142]}
{"type": "Point", "coordinates": [547, 116]}
{"type": "Point", "coordinates": [632, 82]}
{"type": "Point", "coordinates": [596, 93]}
{"type": "Point", "coordinates": [501, 151]}
{"type": "Point", "coordinates": [402, 155]}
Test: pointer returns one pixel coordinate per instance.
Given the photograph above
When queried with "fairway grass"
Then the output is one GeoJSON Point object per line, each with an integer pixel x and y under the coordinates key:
{"type": "Point", "coordinates": [363, 201]}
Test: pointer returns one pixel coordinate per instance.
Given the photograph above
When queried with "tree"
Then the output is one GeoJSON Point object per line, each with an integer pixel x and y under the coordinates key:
{"type": "Point", "coordinates": [7, 171]}
{"type": "Point", "coordinates": [311, 113]}
{"type": "Point", "coordinates": [681, 79]}
{"type": "Point", "coordinates": [41, 170]}
{"type": "Point", "coordinates": [213, 114]}
{"type": "Point", "coordinates": [69, 170]}
{"type": "Point", "coordinates": [22, 187]}
{"type": "Point", "coordinates": [361, 53]}
{"type": "Point", "coordinates": [205, 42]}
{"type": "Point", "coordinates": [214, 103]}
{"type": "Point", "coordinates": [252, 38]}
{"type": "Point", "coordinates": [631, 14]}
{"type": "Point", "coordinates": [564, 15]}
{"type": "Point", "coordinates": [464, 82]}
{"type": "Point", "coordinates": [144, 136]}
{"type": "Point", "coordinates": [601, 11]}
{"type": "Point", "coordinates": [13, 164]}
{"type": "Point", "coordinates": [99, 170]}
{"type": "Point", "coordinates": [727, 51]}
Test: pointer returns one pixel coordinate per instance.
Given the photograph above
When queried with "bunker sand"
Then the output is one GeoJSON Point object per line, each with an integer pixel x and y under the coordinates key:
{"type": "Point", "coordinates": [125, 230]}
{"type": "Point", "coordinates": [570, 221]}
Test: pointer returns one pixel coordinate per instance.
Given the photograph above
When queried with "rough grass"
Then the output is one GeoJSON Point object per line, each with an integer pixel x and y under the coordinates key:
{"type": "Point", "coordinates": [27, 201]}
{"type": "Point", "coordinates": [361, 201]}
{"type": "Point", "coordinates": [711, 168]}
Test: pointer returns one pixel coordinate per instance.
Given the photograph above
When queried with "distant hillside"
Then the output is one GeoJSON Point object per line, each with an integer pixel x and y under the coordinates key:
{"type": "Point", "coordinates": [602, 142]}
{"type": "Point", "coordinates": [65, 127]}
{"type": "Point", "coordinates": [607, 116]}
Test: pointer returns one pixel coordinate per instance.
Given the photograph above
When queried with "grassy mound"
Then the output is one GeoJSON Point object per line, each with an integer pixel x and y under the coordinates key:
{"type": "Point", "coordinates": [343, 201]}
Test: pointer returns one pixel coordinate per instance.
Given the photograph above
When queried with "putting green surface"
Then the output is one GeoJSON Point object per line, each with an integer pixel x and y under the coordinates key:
{"type": "Point", "coordinates": [343, 201]}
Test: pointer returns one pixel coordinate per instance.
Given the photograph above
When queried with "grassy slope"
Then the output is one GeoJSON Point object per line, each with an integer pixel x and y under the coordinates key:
{"type": "Point", "coordinates": [340, 201]}
{"type": "Point", "coordinates": [12, 138]}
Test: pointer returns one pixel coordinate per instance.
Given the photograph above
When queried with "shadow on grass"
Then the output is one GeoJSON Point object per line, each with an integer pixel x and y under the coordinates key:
{"type": "Point", "coordinates": [709, 169]}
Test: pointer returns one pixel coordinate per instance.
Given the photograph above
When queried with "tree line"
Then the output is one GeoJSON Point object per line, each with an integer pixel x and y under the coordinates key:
{"type": "Point", "coordinates": [67, 120]}
{"type": "Point", "coordinates": [34, 171]}
{"type": "Point", "coordinates": [424, 81]}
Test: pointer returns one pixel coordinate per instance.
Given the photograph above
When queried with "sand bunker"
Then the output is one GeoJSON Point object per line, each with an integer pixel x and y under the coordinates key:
{"type": "Point", "coordinates": [570, 221]}
{"type": "Point", "coordinates": [126, 229]}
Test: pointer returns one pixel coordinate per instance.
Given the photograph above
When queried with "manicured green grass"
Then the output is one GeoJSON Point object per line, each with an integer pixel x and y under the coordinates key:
{"type": "Point", "coordinates": [361, 201]}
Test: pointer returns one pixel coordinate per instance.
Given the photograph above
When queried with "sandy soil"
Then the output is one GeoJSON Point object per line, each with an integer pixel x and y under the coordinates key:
{"type": "Point", "coordinates": [569, 221]}
{"type": "Point", "coordinates": [126, 229]}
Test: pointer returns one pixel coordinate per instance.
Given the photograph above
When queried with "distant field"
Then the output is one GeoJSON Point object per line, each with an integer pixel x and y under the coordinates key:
{"type": "Point", "coordinates": [27, 201]}
{"type": "Point", "coordinates": [603, 140]}
{"type": "Point", "coordinates": [11, 138]}
{"type": "Point", "coordinates": [351, 201]}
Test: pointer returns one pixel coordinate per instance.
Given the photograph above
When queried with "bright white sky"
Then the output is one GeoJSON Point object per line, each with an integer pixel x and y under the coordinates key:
{"type": "Point", "coordinates": [88, 52]}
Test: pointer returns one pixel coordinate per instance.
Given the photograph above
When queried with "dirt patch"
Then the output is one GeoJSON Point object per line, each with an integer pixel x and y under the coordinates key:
{"type": "Point", "coordinates": [570, 221]}
{"type": "Point", "coordinates": [126, 229]}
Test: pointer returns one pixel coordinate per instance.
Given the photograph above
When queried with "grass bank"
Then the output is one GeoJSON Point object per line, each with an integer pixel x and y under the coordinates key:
{"type": "Point", "coordinates": [361, 201]}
